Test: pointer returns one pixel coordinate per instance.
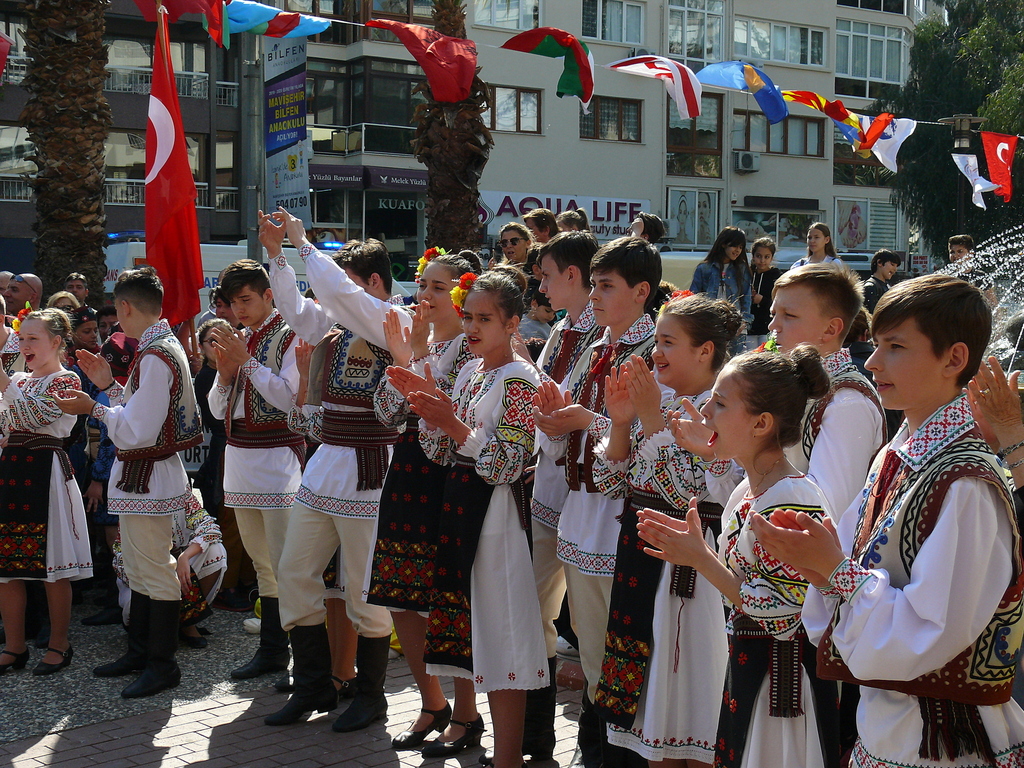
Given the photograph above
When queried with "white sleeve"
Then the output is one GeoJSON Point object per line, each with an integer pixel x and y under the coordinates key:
{"type": "Point", "coordinates": [850, 436]}
{"type": "Point", "coordinates": [218, 399]}
{"type": "Point", "coordinates": [345, 302]}
{"type": "Point", "coordinates": [304, 316]}
{"type": "Point", "coordinates": [818, 608]}
{"type": "Point", "coordinates": [956, 583]}
{"type": "Point", "coordinates": [137, 423]}
{"type": "Point", "coordinates": [721, 483]}
{"type": "Point", "coordinates": [277, 389]}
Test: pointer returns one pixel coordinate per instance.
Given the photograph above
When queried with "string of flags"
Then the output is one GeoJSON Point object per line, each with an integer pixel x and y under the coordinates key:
{"type": "Point", "coordinates": [450, 63]}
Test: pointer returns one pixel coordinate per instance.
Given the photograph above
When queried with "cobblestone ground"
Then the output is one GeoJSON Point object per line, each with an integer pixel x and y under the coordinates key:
{"type": "Point", "coordinates": [74, 720]}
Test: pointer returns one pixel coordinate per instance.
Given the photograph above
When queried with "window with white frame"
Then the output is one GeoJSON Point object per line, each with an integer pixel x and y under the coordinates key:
{"type": "Point", "coordinates": [869, 57]}
{"type": "Point", "coordinates": [510, 14]}
{"type": "Point", "coordinates": [889, 6]}
{"type": "Point", "coordinates": [614, 20]}
{"type": "Point", "coordinates": [778, 42]}
{"type": "Point", "coordinates": [612, 119]}
{"type": "Point", "coordinates": [695, 31]}
{"type": "Point", "coordinates": [513, 109]}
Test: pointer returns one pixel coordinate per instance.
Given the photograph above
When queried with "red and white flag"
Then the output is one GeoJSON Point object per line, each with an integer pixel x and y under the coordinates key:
{"type": "Point", "coordinates": [6, 44]}
{"type": "Point", "coordinates": [680, 81]}
{"type": "Point", "coordinates": [999, 149]}
{"type": "Point", "coordinates": [172, 232]}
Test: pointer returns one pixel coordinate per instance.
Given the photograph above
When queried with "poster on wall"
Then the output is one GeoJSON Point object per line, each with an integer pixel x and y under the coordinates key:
{"type": "Point", "coordinates": [756, 224]}
{"type": "Point", "coordinates": [287, 145]}
{"type": "Point", "coordinates": [692, 216]}
{"type": "Point", "coordinates": [787, 229]}
{"type": "Point", "coordinates": [851, 230]}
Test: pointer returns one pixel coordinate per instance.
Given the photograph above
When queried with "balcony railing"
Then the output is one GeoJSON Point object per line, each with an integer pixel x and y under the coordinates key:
{"type": "Point", "coordinates": [191, 85]}
{"type": "Point", "coordinates": [362, 137]}
{"type": "Point", "coordinates": [123, 192]}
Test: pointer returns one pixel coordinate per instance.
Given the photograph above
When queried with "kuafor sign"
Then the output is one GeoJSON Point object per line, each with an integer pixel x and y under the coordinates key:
{"type": "Point", "coordinates": [610, 217]}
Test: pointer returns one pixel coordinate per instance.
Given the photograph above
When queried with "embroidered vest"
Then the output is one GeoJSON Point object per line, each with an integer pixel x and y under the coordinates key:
{"type": "Point", "coordinates": [182, 427]}
{"type": "Point", "coordinates": [565, 346]}
{"type": "Point", "coordinates": [588, 391]}
{"type": "Point", "coordinates": [268, 346]}
{"type": "Point", "coordinates": [847, 378]}
{"type": "Point", "coordinates": [891, 531]}
{"type": "Point", "coordinates": [345, 370]}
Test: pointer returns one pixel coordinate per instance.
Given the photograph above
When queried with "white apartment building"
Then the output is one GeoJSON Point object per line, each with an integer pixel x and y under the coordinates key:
{"type": "Point", "coordinates": [632, 152]}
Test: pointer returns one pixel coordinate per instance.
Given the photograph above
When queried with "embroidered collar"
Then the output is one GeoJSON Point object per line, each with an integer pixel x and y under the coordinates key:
{"type": "Point", "coordinates": [12, 345]}
{"type": "Point", "coordinates": [639, 331]}
{"type": "Point", "coordinates": [587, 319]}
{"type": "Point", "coordinates": [943, 427]}
{"type": "Point", "coordinates": [270, 318]}
{"type": "Point", "coordinates": [837, 362]}
{"type": "Point", "coordinates": [397, 300]}
{"type": "Point", "coordinates": [155, 331]}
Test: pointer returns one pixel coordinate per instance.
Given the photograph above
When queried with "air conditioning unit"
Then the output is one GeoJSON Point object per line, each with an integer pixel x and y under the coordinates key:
{"type": "Point", "coordinates": [641, 52]}
{"type": "Point", "coordinates": [746, 162]}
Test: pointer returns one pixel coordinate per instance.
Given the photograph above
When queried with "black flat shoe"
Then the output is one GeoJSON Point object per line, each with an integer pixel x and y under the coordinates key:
{"type": "Point", "coordinates": [346, 688]}
{"type": "Point", "coordinates": [193, 641]}
{"type": "Point", "coordinates": [42, 668]}
{"type": "Point", "coordinates": [471, 738]}
{"type": "Point", "coordinates": [20, 660]}
{"type": "Point", "coordinates": [104, 617]}
{"type": "Point", "coordinates": [412, 739]}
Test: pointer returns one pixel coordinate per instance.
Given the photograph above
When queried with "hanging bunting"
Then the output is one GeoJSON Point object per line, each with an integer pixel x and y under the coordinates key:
{"type": "Point", "coordinates": [682, 84]}
{"type": "Point", "coordinates": [848, 123]}
{"type": "Point", "coordinates": [999, 151]}
{"type": "Point", "coordinates": [885, 144]}
{"type": "Point", "coordinates": [448, 62]}
{"type": "Point", "coordinates": [968, 165]}
{"type": "Point", "coordinates": [247, 16]}
{"type": "Point", "coordinates": [578, 63]}
{"type": "Point", "coordinates": [738, 76]}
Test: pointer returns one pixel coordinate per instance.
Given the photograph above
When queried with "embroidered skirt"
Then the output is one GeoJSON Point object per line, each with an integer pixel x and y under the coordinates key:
{"type": "Point", "coordinates": [402, 573]}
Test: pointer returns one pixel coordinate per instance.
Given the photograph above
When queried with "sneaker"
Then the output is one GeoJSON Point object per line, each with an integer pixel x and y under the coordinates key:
{"type": "Point", "coordinates": [233, 600]}
{"type": "Point", "coordinates": [565, 650]}
{"type": "Point", "coordinates": [252, 626]}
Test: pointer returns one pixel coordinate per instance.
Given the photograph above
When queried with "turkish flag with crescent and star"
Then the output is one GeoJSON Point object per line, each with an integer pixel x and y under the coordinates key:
{"type": "Point", "coordinates": [999, 149]}
{"type": "Point", "coordinates": [172, 232]}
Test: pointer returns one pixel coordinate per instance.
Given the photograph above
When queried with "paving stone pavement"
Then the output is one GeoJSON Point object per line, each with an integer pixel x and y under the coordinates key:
{"type": "Point", "coordinates": [74, 720]}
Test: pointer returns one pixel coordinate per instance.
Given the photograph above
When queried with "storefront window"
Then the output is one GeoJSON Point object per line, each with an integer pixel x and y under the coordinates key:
{"type": "Point", "coordinates": [14, 151]}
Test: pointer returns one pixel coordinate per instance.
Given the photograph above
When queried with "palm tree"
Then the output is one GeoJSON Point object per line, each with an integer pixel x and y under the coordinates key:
{"type": "Point", "coordinates": [67, 118]}
{"type": "Point", "coordinates": [453, 142]}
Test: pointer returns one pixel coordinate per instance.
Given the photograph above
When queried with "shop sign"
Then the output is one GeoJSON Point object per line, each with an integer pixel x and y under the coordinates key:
{"type": "Point", "coordinates": [336, 176]}
{"type": "Point", "coordinates": [610, 217]}
{"type": "Point", "coordinates": [400, 204]}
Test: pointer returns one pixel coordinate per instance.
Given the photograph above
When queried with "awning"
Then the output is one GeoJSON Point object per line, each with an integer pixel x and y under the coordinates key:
{"type": "Point", "coordinates": [367, 177]}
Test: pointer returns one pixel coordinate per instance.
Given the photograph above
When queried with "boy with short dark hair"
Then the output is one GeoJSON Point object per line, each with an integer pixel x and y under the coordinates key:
{"type": "Point", "coordinates": [842, 431]}
{"type": "Point", "coordinates": [256, 383]}
{"type": "Point", "coordinates": [918, 597]}
{"type": "Point", "coordinates": [960, 246]}
{"type": "Point", "coordinates": [625, 275]}
{"type": "Point", "coordinates": [77, 286]}
{"type": "Point", "coordinates": [152, 418]}
{"type": "Point", "coordinates": [883, 266]}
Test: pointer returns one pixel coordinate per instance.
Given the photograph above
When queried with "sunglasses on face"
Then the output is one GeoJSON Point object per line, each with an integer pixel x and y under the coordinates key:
{"type": "Point", "coordinates": [510, 241]}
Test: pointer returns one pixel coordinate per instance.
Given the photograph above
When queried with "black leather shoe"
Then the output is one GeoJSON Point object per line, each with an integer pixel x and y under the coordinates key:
{"type": "Point", "coordinates": [346, 688]}
{"type": "Point", "coordinates": [411, 739]}
{"type": "Point", "coordinates": [193, 641]}
{"type": "Point", "coordinates": [471, 738]}
{"type": "Point", "coordinates": [106, 616]}
{"type": "Point", "coordinates": [42, 668]}
{"type": "Point", "coordinates": [20, 660]}
{"type": "Point", "coordinates": [261, 664]}
{"type": "Point", "coordinates": [299, 706]}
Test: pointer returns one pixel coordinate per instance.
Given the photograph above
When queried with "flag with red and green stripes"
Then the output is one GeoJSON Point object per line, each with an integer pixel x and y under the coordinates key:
{"type": "Point", "coordinates": [578, 64]}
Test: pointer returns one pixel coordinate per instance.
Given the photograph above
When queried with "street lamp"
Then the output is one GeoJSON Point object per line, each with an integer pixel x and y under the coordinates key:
{"type": "Point", "coordinates": [962, 126]}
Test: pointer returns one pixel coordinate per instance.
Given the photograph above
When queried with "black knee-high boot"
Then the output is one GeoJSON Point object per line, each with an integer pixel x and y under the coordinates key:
{"type": "Point", "coordinates": [138, 634]}
{"type": "Point", "coordinates": [369, 704]}
{"type": "Point", "coordinates": [312, 674]}
{"type": "Point", "coordinates": [161, 670]}
{"type": "Point", "coordinates": [272, 655]}
{"type": "Point", "coordinates": [539, 730]}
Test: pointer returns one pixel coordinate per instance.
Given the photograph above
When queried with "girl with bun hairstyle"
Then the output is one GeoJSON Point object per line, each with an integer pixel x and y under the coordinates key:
{"type": "Point", "coordinates": [775, 711]}
{"type": "Point", "coordinates": [43, 518]}
{"type": "Point", "coordinates": [484, 623]}
{"type": "Point", "coordinates": [410, 501]}
{"type": "Point", "coordinates": [655, 700]}
{"type": "Point", "coordinates": [573, 221]}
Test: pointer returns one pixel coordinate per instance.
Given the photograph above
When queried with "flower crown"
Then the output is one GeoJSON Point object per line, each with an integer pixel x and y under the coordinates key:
{"type": "Point", "coordinates": [428, 256]}
{"type": "Point", "coordinates": [460, 291]}
{"type": "Point", "coordinates": [22, 314]}
{"type": "Point", "coordinates": [769, 346]}
{"type": "Point", "coordinates": [676, 294]}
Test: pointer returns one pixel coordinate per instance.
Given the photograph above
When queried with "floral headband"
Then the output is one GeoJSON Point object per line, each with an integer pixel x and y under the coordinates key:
{"type": "Point", "coordinates": [771, 345]}
{"type": "Point", "coordinates": [16, 325]}
{"type": "Point", "coordinates": [428, 256]}
{"type": "Point", "coordinates": [460, 291]}
{"type": "Point", "coordinates": [676, 294]}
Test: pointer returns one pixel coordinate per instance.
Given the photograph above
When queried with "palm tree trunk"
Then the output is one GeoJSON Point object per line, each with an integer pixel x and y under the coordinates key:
{"type": "Point", "coordinates": [453, 142]}
{"type": "Point", "coordinates": [68, 119]}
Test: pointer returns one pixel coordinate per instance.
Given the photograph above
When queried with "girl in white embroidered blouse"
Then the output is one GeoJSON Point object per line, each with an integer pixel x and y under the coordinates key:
{"type": "Point", "coordinates": [484, 621]}
{"type": "Point", "coordinates": [47, 530]}
{"type": "Point", "coordinates": [775, 711]}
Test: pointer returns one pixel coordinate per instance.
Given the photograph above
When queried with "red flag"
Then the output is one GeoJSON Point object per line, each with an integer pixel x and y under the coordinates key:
{"type": "Point", "coordinates": [172, 233]}
{"type": "Point", "coordinates": [175, 8]}
{"type": "Point", "coordinates": [999, 149]}
{"type": "Point", "coordinates": [216, 23]}
{"type": "Point", "coordinates": [6, 44]}
{"type": "Point", "coordinates": [448, 62]}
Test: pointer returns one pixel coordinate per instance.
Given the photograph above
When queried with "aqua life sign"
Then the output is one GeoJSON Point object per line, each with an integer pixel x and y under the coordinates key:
{"type": "Point", "coordinates": [284, 112]}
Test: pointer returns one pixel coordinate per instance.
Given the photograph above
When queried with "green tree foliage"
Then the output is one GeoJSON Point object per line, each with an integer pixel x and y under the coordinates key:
{"type": "Point", "coordinates": [974, 64]}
